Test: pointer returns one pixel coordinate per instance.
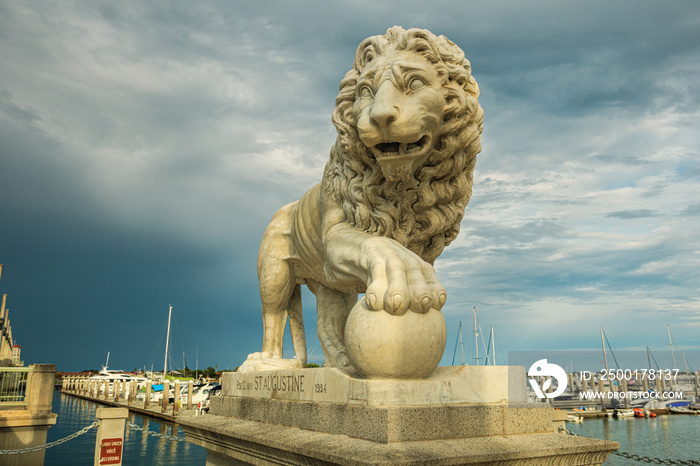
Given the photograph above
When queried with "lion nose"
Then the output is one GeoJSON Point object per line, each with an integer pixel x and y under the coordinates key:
{"type": "Point", "coordinates": [385, 108]}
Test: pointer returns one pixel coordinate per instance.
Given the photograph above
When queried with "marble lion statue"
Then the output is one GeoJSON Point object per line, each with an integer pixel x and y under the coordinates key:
{"type": "Point", "coordinates": [391, 199]}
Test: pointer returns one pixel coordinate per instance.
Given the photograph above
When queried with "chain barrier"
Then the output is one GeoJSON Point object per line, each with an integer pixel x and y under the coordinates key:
{"type": "Point", "coordinates": [644, 459]}
{"type": "Point", "coordinates": [131, 425]}
{"type": "Point", "coordinates": [49, 445]}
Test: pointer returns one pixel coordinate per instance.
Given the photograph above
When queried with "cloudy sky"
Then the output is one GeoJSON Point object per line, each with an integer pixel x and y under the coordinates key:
{"type": "Point", "coordinates": [144, 147]}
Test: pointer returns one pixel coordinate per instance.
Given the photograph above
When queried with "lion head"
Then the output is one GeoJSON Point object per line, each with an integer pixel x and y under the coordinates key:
{"type": "Point", "coordinates": [409, 129]}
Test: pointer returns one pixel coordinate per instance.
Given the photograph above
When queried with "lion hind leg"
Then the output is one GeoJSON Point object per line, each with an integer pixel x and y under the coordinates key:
{"type": "Point", "coordinates": [277, 305]}
{"type": "Point", "coordinates": [296, 325]}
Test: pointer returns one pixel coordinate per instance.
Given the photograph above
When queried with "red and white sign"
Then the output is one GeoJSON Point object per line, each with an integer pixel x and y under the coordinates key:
{"type": "Point", "coordinates": [111, 451]}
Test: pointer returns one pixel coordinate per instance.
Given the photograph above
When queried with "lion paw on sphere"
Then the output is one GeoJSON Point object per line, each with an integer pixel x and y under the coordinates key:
{"type": "Point", "coordinates": [391, 199]}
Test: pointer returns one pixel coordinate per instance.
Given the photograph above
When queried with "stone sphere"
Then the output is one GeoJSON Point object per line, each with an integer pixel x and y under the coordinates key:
{"type": "Point", "coordinates": [385, 346]}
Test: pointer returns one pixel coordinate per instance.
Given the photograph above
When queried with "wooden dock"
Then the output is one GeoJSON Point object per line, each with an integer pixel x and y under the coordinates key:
{"type": "Point", "coordinates": [153, 411]}
{"type": "Point", "coordinates": [123, 395]}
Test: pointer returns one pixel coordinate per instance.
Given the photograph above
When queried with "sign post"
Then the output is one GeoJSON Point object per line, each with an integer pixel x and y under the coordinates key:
{"type": "Point", "coordinates": [110, 435]}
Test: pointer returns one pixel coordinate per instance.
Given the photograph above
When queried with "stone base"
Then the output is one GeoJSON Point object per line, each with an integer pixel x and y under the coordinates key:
{"type": "Point", "coordinates": [459, 415]}
{"type": "Point", "coordinates": [228, 440]}
{"type": "Point", "coordinates": [386, 424]}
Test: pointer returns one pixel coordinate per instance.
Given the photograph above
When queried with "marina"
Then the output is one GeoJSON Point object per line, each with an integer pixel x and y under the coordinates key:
{"type": "Point", "coordinates": [74, 413]}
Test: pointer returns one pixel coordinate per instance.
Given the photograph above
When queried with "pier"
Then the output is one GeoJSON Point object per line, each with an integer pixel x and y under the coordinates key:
{"type": "Point", "coordinates": [123, 395]}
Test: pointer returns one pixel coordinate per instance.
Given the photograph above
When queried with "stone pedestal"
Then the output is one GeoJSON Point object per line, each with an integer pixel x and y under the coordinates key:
{"type": "Point", "coordinates": [26, 425]}
{"type": "Point", "coordinates": [459, 415]}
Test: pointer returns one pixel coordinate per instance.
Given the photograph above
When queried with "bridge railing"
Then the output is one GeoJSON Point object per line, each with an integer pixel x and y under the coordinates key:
{"type": "Point", "coordinates": [14, 386]}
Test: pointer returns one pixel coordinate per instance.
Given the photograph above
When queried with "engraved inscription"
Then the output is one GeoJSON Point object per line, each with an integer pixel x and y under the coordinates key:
{"type": "Point", "coordinates": [279, 383]}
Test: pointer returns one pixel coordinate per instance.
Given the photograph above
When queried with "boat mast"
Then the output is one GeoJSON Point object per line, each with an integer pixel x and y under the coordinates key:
{"type": "Point", "coordinates": [605, 354]}
{"type": "Point", "coordinates": [104, 368]}
{"type": "Point", "coordinates": [670, 342]}
{"type": "Point", "coordinates": [476, 338]}
{"type": "Point", "coordinates": [493, 348]}
{"type": "Point", "coordinates": [167, 340]}
{"type": "Point", "coordinates": [681, 354]}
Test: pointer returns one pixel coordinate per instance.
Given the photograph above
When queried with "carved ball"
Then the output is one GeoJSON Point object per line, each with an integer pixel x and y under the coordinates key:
{"type": "Point", "coordinates": [385, 346]}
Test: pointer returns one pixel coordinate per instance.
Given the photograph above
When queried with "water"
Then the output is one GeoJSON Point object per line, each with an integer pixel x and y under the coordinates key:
{"type": "Point", "coordinates": [674, 437]}
{"type": "Point", "coordinates": [139, 448]}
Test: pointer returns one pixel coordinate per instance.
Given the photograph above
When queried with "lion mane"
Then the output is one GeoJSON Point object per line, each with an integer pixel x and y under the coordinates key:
{"type": "Point", "coordinates": [424, 213]}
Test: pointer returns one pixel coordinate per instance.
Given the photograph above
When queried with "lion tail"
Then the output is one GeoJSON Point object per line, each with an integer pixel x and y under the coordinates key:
{"type": "Point", "coordinates": [296, 325]}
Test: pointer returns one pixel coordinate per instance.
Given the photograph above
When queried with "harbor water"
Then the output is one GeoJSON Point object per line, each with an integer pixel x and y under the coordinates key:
{"type": "Point", "coordinates": [139, 448]}
{"type": "Point", "coordinates": [673, 437]}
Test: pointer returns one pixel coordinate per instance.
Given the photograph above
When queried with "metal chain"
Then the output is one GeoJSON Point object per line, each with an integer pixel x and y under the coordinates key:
{"type": "Point", "coordinates": [131, 425]}
{"type": "Point", "coordinates": [49, 445]}
{"type": "Point", "coordinates": [645, 459]}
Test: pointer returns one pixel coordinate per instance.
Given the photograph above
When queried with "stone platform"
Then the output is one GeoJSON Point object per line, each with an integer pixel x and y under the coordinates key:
{"type": "Point", "coordinates": [460, 415]}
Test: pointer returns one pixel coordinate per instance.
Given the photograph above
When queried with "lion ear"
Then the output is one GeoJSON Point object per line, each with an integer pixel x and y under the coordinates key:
{"type": "Point", "coordinates": [366, 52]}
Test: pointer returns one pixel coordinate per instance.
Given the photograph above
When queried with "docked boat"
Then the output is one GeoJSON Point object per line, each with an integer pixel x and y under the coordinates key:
{"type": "Point", "coordinates": [643, 413]}
{"type": "Point", "coordinates": [683, 410]}
{"type": "Point", "coordinates": [618, 413]}
{"type": "Point", "coordinates": [112, 376]}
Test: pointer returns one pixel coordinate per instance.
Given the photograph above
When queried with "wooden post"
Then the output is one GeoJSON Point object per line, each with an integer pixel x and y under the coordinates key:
{"type": "Point", "coordinates": [147, 398]}
{"type": "Point", "coordinates": [107, 389]}
{"type": "Point", "coordinates": [190, 386]}
{"type": "Point", "coordinates": [166, 395]}
{"type": "Point", "coordinates": [117, 386]}
{"type": "Point", "coordinates": [132, 389]}
{"type": "Point", "coordinates": [176, 398]}
{"type": "Point", "coordinates": [624, 390]}
{"type": "Point", "coordinates": [601, 388]}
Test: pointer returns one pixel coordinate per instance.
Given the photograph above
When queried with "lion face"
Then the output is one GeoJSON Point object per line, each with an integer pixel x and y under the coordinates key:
{"type": "Point", "coordinates": [398, 109]}
{"type": "Point", "coordinates": [409, 129]}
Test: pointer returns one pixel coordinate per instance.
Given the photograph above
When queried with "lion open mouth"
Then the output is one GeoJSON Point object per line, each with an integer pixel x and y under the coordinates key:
{"type": "Point", "coordinates": [395, 149]}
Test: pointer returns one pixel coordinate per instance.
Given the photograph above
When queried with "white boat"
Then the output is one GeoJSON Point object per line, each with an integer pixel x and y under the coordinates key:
{"type": "Point", "coordinates": [111, 376]}
{"type": "Point", "coordinates": [618, 413]}
{"type": "Point", "coordinates": [683, 410]}
{"type": "Point", "coordinates": [201, 394]}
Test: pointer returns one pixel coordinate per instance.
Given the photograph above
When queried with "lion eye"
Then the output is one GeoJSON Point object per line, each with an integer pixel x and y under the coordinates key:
{"type": "Point", "coordinates": [364, 91]}
{"type": "Point", "coordinates": [415, 84]}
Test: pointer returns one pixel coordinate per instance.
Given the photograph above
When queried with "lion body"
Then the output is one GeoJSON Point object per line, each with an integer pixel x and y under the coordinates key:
{"type": "Point", "coordinates": [391, 199]}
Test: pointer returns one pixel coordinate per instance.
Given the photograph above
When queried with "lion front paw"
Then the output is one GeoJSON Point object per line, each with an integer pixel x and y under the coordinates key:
{"type": "Point", "coordinates": [400, 280]}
